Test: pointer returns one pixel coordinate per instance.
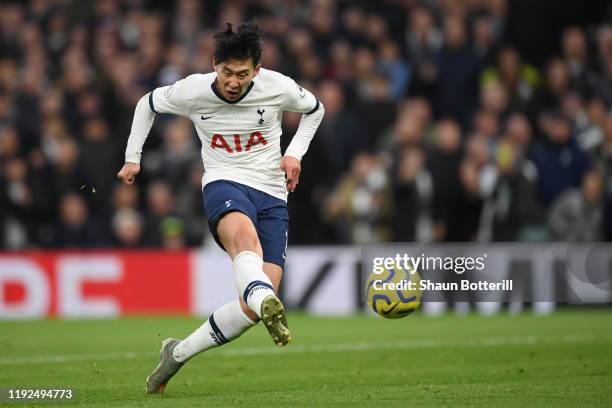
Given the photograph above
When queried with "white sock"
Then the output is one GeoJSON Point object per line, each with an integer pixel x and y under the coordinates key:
{"type": "Point", "coordinates": [224, 325]}
{"type": "Point", "coordinates": [252, 283]}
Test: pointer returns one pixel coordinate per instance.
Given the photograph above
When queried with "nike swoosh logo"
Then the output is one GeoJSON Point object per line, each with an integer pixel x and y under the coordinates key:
{"type": "Point", "coordinates": [204, 118]}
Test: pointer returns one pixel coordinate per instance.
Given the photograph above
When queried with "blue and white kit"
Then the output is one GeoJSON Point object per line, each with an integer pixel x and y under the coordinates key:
{"type": "Point", "coordinates": [240, 145]}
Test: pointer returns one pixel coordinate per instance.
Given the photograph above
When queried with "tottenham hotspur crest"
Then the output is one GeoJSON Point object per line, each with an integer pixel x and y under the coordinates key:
{"type": "Point", "coordinates": [261, 112]}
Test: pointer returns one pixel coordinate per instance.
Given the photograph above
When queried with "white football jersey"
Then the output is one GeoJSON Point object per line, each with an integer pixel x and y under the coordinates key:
{"type": "Point", "coordinates": [240, 139]}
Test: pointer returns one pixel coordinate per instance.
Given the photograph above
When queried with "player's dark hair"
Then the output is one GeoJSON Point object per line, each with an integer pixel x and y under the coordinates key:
{"type": "Point", "coordinates": [246, 42]}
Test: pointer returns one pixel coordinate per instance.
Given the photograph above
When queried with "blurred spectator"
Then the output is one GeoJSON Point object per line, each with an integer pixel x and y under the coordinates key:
{"type": "Point", "coordinates": [374, 105]}
{"type": "Point", "coordinates": [125, 196]}
{"type": "Point", "coordinates": [486, 124]}
{"type": "Point", "coordinates": [394, 68]}
{"type": "Point", "coordinates": [560, 162]}
{"type": "Point", "coordinates": [173, 233]}
{"type": "Point", "coordinates": [573, 108]}
{"type": "Point", "coordinates": [518, 79]}
{"type": "Point", "coordinates": [494, 99]}
{"type": "Point", "coordinates": [456, 77]}
{"type": "Point", "coordinates": [341, 134]}
{"type": "Point", "coordinates": [322, 25]}
{"type": "Point", "coordinates": [443, 164]}
{"type": "Point", "coordinates": [68, 172]}
{"type": "Point", "coordinates": [177, 155]}
{"type": "Point", "coordinates": [591, 123]}
{"type": "Point", "coordinates": [412, 190]}
{"type": "Point", "coordinates": [17, 223]}
{"type": "Point", "coordinates": [359, 206]}
{"type": "Point", "coordinates": [412, 126]}
{"type": "Point", "coordinates": [189, 205]}
{"type": "Point", "coordinates": [574, 47]}
{"type": "Point", "coordinates": [127, 228]}
{"type": "Point", "coordinates": [556, 83]}
{"type": "Point", "coordinates": [353, 21]}
{"type": "Point", "coordinates": [464, 210]}
{"type": "Point", "coordinates": [423, 39]}
{"type": "Point", "coordinates": [511, 209]}
{"type": "Point", "coordinates": [100, 154]}
{"type": "Point", "coordinates": [75, 227]}
{"type": "Point", "coordinates": [405, 132]}
{"type": "Point", "coordinates": [485, 37]}
{"type": "Point", "coordinates": [518, 131]}
{"type": "Point", "coordinates": [161, 204]}
{"type": "Point", "coordinates": [575, 216]}
{"type": "Point", "coordinates": [341, 67]}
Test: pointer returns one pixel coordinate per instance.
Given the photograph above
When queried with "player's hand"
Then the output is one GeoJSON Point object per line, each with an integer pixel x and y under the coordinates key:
{"type": "Point", "coordinates": [128, 173]}
{"type": "Point", "coordinates": [292, 168]}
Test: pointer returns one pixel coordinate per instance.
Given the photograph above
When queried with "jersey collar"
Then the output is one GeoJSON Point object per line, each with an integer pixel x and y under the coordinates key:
{"type": "Point", "coordinates": [224, 99]}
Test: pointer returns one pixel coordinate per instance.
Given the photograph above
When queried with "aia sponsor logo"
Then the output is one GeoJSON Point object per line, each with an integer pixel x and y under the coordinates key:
{"type": "Point", "coordinates": [220, 142]}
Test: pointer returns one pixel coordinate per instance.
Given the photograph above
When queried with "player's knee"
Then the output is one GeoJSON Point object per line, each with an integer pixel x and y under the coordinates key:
{"type": "Point", "coordinates": [244, 241]}
{"type": "Point", "coordinates": [238, 234]}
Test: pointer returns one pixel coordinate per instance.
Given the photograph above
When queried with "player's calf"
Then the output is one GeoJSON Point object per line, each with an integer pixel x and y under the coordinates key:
{"type": "Point", "coordinates": [224, 325]}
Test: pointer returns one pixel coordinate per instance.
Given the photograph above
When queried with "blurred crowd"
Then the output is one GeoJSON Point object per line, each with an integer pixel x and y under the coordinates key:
{"type": "Point", "coordinates": [446, 120]}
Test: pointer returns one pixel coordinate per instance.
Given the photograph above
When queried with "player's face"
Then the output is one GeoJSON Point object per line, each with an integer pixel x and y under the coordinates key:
{"type": "Point", "coordinates": [234, 77]}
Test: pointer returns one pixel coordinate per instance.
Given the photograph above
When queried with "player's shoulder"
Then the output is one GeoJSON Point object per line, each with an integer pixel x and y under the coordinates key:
{"type": "Point", "coordinates": [272, 78]}
{"type": "Point", "coordinates": [192, 87]}
{"type": "Point", "coordinates": [272, 85]}
{"type": "Point", "coordinates": [194, 81]}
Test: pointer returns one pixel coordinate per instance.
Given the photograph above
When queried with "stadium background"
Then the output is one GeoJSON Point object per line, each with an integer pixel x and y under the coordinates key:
{"type": "Point", "coordinates": [446, 121]}
{"type": "Point", "coordinates": [476, 120]}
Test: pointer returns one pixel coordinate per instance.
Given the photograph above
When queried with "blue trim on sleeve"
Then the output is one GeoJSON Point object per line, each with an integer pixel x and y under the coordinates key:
{"type": "Point", "coordinates": [153, 107]}
{"type": "Point", "coordinates": [314, 109]}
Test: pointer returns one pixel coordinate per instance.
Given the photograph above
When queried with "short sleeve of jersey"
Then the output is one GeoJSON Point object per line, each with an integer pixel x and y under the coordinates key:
{"type": "Point", "coordinates": [174, 99]}
{"type": "Point", "coordinates": [298, 99]}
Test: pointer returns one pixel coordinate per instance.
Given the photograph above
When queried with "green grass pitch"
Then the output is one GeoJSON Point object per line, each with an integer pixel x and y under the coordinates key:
{"type": "Point", "coordinates": [564, 359]}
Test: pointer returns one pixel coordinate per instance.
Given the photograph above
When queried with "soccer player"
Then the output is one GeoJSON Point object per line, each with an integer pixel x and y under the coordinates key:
{"type": "Point", "coordinates": [237, 112]}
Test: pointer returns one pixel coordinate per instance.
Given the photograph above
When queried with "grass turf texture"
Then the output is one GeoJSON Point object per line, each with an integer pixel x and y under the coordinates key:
{"type": "Point", "coordinates": [564, 359]}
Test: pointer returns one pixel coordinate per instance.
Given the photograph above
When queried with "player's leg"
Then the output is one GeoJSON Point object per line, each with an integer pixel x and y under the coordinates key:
{"type": "Point", "coordinates": [233, 216]}
{"type": "Point", "coordinates": [241, 241]}
{"type": "Point", "coordinates": [225, 324]}
{"type": "Point", "coordinates": [231, 320]}
{"type": "Point", "coordinates": [221, 199]}
{"type": "Point", "coordinates": [237, 236]}
{"type": "Point", "coordinates": [272, 230]}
